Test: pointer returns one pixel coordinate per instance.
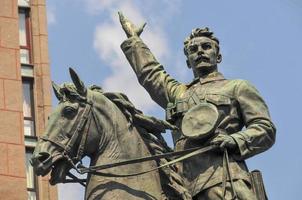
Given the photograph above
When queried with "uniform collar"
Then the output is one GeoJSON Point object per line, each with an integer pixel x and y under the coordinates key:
{"type": "Point", "coordinates": [215, 76]}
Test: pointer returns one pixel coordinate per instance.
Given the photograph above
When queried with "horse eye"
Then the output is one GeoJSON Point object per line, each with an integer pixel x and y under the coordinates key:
{"type": "Point", "coordinates": [69, 111]}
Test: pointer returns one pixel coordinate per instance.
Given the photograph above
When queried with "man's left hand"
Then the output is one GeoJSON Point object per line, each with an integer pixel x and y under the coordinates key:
{"type": "Point", "coordinates": [224, 141]}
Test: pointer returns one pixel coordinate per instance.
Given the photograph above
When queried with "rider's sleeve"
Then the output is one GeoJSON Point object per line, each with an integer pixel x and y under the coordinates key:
{"type": "Point", "coordinates": [260, 132]}
{"type": "Point", "coordinates": [150, 73]}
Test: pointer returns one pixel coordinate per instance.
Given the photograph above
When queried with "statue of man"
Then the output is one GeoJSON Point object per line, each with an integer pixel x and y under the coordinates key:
{"type": "Point", "coordinates": [238, 105]}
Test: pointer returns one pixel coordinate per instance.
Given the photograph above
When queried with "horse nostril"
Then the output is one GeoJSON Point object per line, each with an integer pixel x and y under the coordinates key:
{"type": "Point", "coordinates": [43, 157]}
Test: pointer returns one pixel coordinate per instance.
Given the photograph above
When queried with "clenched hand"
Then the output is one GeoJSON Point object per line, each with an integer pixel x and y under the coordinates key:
{"type": "Point", "coordinates": [224, 141]}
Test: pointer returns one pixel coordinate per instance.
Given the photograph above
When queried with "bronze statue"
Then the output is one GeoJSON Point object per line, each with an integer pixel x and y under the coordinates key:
{"type": "Point", "coordinates": [209, 110]}
{"type": "Point", "coordinates": [109, 129]}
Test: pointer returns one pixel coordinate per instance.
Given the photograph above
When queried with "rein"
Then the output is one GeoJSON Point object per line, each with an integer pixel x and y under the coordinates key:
{"type": "Point", "coordinates": [184, 154]}
{"type": "Point", "coordinates": [83, 127]}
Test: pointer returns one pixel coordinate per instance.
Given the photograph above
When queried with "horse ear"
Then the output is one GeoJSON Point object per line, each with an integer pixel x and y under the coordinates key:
{"type": "Point", "coordinates": [77, 82]}
{"type": "Point", "coordinates": [56, 89]}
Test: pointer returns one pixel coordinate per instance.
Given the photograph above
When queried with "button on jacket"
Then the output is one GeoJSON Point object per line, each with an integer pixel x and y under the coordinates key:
{"type": "Point", "coordinates": [239, 105]}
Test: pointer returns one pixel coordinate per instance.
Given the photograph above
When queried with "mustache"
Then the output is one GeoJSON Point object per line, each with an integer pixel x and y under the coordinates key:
{"type": "Point", "coordinates": [201, 58]}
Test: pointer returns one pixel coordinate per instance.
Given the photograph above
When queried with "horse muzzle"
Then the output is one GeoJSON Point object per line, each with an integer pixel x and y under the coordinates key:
{"type": "Point", "coordinates": [41, 163]}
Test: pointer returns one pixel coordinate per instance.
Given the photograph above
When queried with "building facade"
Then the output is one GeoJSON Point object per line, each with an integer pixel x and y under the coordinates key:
{"type": "Point", "coordinates": [25, 97]}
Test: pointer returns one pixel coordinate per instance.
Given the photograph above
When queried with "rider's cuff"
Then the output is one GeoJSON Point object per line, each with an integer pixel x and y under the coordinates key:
{"type": "Point", "coordinates": [242, 148]}
{"type": "Point", "coordinates": [130, 42]}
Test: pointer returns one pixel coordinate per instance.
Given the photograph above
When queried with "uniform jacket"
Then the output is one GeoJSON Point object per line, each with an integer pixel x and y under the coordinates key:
{"type": "Point", "coordinates": [239, 105]}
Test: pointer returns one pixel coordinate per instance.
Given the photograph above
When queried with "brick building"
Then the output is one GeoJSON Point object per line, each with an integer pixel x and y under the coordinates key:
{"type": "Point", "coordinates": [25, 97]}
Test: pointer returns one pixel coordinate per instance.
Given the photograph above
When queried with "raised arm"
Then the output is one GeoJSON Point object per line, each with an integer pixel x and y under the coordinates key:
{"type": "Point", "coordinates": [150, 73]}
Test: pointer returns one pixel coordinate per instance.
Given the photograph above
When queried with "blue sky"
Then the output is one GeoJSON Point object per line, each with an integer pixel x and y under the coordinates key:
{"type": "Point", "coordinates": [260, 42]}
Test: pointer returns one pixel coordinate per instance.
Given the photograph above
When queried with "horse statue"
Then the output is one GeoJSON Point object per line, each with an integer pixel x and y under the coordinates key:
{"type": "Point", "coordinates": [107, 128]}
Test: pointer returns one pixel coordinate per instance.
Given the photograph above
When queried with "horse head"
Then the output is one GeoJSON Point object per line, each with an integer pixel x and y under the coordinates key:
{"type": "Point", "coordinates": [63, 143]}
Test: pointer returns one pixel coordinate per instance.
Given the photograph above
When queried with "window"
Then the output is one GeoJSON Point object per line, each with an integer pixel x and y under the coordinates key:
{"type": "Point", "coordinates": [31, 177]}
{"type": "Point", "coordinates": [28, 107]}
{"type": "Point", "coordinates": [24, 36]}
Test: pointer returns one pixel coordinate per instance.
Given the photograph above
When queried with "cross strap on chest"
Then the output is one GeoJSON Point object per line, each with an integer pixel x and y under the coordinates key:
{"type": "Point", "coordinates": [182, 105]}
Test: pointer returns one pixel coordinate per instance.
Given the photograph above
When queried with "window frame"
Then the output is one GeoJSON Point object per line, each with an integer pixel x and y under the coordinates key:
{"type": "Point", "coordinates": [32, 105]}
{"type": "Point", "coordinates": [28, 33]}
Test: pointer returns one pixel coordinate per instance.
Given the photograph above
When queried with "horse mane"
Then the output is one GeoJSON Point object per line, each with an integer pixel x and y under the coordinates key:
{"type": "Point", "coordinates": [69, 92]}
{"type": "Point", "coordinates": [136, 116]}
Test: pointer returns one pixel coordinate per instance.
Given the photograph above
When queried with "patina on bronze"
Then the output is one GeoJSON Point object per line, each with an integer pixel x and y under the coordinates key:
{"type": "Point", "coordinates": [109, 129]}
{"type": "Point", "coordinates": [238, 103]}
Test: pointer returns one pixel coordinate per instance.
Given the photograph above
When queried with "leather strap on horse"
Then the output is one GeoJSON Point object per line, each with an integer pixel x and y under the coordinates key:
{"type": "Point", "coordinates": [188, 153]}
{"type": "Point", "coordinates": [85, 133]}
{"type": "Point", "coordinates": [80, 127]}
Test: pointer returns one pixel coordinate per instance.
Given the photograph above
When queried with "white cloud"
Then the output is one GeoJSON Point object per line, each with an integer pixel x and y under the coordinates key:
{"type": "Point", "coordinates": [108, 37]}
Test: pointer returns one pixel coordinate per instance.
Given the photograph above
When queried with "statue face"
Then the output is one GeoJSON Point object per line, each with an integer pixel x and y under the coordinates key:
{"type": "Point", "coordinates": [202, 55]}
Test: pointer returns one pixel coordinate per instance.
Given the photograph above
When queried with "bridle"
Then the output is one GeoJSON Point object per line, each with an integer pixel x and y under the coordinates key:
{"type": "Point", "coordinates": [80, 129]}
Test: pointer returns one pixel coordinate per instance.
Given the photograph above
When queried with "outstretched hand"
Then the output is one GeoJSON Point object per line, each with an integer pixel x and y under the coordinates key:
{"type": "Point", "coordinates": [129, 28]}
